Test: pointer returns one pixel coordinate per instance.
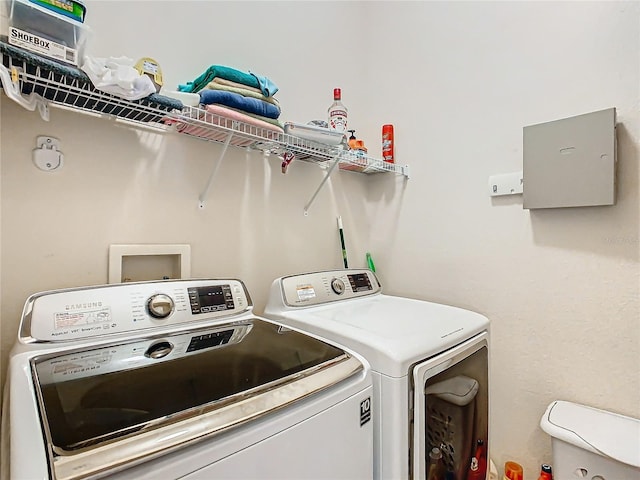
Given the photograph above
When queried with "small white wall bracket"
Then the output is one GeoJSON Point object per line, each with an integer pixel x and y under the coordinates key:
{"type": "Point", "coordinates": [47, 156]}
{"type": "Point", "coordinates": [506, 184]}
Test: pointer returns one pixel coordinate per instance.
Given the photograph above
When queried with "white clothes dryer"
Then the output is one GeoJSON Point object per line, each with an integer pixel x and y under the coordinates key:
{"type": "Point", "coordinates": [178, 379]}
{"type": "Point", "coordinates": [430, 367]}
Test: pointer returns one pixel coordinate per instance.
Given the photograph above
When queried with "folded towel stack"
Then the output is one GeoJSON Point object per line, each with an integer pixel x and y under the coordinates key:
{"type": "Point", "coordinates": [243, 96]}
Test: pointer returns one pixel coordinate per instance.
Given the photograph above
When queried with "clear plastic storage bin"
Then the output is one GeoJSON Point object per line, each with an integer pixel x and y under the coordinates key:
{"type": "Point", "coordinates": [46, 32]}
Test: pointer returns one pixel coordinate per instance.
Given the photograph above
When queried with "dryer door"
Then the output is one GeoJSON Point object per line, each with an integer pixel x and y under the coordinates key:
{"type": "Point", "coordinates": [451, 409]}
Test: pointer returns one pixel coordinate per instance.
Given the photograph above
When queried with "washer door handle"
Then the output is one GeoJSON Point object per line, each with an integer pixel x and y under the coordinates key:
{"type": "Point", "coordinates": [159, 350]}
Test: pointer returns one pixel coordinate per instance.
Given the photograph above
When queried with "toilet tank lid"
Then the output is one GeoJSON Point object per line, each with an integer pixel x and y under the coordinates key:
{"type": "Point", "coordinates": [605, 433]}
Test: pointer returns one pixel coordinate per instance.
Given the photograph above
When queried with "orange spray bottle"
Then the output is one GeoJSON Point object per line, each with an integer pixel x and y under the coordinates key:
{"type": "Point", "coordinates": [388, 144]}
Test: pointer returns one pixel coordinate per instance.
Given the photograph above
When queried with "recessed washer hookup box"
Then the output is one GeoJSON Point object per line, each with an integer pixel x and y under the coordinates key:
{"type": "Point", "coordinates": [46, 32]}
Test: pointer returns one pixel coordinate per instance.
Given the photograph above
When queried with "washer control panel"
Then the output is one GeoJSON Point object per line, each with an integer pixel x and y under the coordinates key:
{"type": "Point", "coordinates": [211, 298]}
{"type": "Point", "coordinates": [73, 314]}
{"type": "Point", "coordinates": [322, 287]}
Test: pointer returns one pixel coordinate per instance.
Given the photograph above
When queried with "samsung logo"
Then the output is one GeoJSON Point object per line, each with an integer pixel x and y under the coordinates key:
{"type": "Point", "coordinates": [82, 306]}
{"type": "Point", "coordinates": [25, 37]}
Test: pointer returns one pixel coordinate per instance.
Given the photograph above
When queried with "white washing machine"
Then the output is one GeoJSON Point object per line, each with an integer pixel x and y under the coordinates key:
{"type": "Point", "coordinates": [430, 367]}
{"type": "Point", "coordinates": [178, 379]}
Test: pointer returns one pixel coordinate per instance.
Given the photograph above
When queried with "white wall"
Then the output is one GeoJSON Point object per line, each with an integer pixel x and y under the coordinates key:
{"type": "Point", "coordinates": [458, 81]}
{"type": "Point", "coordinates": [561, 286]}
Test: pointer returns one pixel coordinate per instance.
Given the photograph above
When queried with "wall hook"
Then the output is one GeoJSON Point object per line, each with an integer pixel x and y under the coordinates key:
{"type": "Point", "coordinates": [47, 156]}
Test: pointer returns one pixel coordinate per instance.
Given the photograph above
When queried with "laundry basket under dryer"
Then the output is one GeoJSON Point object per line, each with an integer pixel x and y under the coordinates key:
{"type": "Point", "coordinates": [450, 410]}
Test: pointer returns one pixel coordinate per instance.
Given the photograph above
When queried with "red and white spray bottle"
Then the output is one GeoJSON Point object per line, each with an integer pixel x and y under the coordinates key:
{"type": "Point", "coordinates": [478, 466]}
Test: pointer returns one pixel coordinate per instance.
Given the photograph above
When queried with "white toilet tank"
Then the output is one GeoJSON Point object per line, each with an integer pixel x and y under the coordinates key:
{"type": "Point", "coordinates": [592, 444]}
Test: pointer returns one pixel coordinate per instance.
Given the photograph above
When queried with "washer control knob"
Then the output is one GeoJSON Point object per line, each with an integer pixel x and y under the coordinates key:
{"type": "Point", "coordinates": [337, 286]}
{"type": "Point", "coordinates": [160, 305]}
{"type": "Point", "coordinates": [159, 350]}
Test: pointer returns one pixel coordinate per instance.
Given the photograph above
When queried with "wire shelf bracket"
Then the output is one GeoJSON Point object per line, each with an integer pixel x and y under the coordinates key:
{"type": "Point", "coordinates": [335, 161]}
{"type": "Point", "coordinates": [30, 102]}
{"type": "Point", "coordinates": [205, 192]}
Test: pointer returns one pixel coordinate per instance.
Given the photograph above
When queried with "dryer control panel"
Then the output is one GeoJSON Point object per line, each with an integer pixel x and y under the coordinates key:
{"type": "Point", "coordinates": [317, 288]}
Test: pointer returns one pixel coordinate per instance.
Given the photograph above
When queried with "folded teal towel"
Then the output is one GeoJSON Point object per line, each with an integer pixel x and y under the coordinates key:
{"type": "Point", "coordinates": [267, 87]}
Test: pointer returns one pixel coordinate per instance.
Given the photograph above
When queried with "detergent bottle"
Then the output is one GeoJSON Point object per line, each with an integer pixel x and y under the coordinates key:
{"type": "Point", "coordinates": [356, 144]}
{"type": "Point", "coordinates": [436, 465]}
{"type": "Point", "coordinates": [352, 139]}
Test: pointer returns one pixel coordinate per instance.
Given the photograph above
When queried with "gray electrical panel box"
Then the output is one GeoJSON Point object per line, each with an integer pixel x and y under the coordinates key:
{"type": "Point", "coordinates": [570, 162]}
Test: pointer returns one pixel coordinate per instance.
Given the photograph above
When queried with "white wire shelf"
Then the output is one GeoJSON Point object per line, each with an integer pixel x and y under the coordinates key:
{"type": "Point", "coordinates": [206, 125]}
{"type": "Point", "coordinates": [36, 82]}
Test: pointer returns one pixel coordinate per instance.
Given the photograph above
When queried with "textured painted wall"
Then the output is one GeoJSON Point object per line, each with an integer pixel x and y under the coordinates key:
{"type": "Point", "coordinates": [561, 286]}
